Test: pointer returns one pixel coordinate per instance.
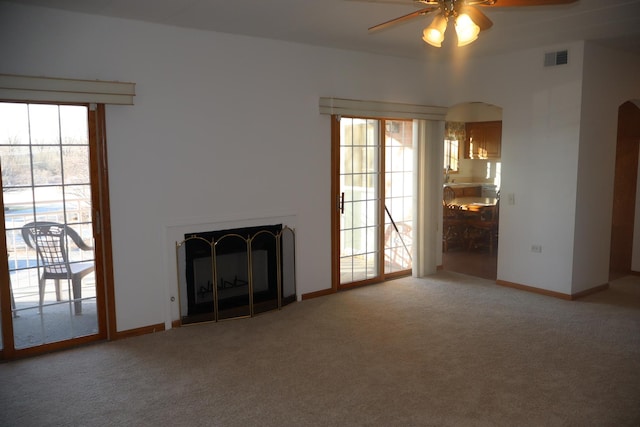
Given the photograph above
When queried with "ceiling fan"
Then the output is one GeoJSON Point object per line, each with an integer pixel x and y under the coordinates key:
{"type": "Point", "coordinates": [469, 20]}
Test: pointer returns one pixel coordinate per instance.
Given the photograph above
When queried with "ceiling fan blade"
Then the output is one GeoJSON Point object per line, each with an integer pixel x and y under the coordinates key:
{"type": "Point", "coordinates": [403, 18]}
{"type": "Point", "coordinates": [514, 3]}
{"type": "Point", "coordinates": [480, 19]}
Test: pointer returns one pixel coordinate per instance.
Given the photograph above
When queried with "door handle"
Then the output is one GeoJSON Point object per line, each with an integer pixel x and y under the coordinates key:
{"type": "Point", "coordinates": [341, 203]}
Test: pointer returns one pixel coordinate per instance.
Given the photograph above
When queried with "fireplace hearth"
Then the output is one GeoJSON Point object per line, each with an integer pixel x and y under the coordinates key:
{"type": "Point", "coordinates": [236, 272]}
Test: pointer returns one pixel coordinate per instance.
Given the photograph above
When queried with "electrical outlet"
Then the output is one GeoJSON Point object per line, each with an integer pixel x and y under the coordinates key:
{"type": "Point", "coordinates": [536, 248]}
{"type": "Point", "coordinates": [511, 199]}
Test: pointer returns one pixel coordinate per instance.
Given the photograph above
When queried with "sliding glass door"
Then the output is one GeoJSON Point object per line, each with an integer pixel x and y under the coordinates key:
{"type": "Point", "coordinates": [360, 195]}
{"type": "Point", "coordinates": [398, 196]}
{"type": "Point", "coordinates": [373, 191]}
{"type": "Point", "coordinates": [45, 156]}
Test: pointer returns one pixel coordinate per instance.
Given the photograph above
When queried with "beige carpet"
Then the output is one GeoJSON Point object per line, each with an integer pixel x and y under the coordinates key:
{"type": "Point", "coordinates": [448, 350]}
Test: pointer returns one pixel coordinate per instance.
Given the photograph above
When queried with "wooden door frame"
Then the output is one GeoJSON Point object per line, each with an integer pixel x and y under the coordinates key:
{"type": "Point", "coordinates": [335, 203]}
{"type": "Point", "coordinates": [102, 219]}
{"type": "Point", "coordinates": [624, 189]}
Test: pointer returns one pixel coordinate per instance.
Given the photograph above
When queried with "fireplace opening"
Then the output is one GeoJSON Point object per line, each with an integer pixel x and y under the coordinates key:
{"type": "Point", "coordinates": [237, 272]}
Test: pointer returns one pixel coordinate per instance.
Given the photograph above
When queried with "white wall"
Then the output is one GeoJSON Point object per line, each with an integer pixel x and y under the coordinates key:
{"type": "Point", "coordinates": [611, 78]}
{"type": "Point", "coordinates": [224, 129]}
{"type": "Point", "coordinates": [474, 112]}
{"type": "Point", "coordinates": [558, 157]}
{"type": "Point", "coordinates": [540, 138]}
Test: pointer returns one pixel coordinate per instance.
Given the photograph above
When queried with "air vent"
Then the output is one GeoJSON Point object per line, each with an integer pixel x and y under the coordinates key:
{"type": "Point", "coordinates": [556, 58]}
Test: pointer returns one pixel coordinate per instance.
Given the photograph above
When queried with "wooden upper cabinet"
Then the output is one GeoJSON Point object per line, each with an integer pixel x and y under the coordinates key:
{"type": "Point", "coordinates": [483, 140]}
{"type": "Point", "coordinates": [468, 191]}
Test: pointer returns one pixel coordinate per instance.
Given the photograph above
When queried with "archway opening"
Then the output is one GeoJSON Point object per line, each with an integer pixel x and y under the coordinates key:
{"type": "Point", "coordinates": [472, 168]}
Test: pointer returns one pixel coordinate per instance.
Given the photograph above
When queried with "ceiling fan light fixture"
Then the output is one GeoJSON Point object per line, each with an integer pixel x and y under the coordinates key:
{"type": "Point", "coordinates": [434, 33]}
{"type": "Point", "coordinates": [466, 29]}
{"type": "Point", "coordinates": [467, 15]}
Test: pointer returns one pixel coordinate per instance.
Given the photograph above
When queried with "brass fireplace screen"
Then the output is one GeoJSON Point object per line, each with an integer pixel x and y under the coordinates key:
{"type": "Point", "coordinates": [235, 273]}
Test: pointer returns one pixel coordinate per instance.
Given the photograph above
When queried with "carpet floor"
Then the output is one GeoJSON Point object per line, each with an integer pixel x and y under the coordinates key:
{"type": "Point", "coordinates": [446, 350]}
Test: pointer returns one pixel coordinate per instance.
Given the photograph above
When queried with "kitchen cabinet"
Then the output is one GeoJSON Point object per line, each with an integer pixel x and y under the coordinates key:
{"type": "Point", "coordinates": [483, 140]}
{"type": "Point", "coordinates": [474, 191]}
{"type": "Point", "coordinates": [466, 190]}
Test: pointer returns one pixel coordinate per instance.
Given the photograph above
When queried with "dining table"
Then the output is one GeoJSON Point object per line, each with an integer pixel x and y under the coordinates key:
{"type": "Point", "coordinates": [478, 221]}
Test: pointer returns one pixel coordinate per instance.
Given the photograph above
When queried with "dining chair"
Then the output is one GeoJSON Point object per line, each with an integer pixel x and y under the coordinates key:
{"type": "Point", "coordinates": [453, 221]}
{"type": "Point", "coordinates": [483, 232]}
{"type": "Point", "coordinates": [50, 240]}
{"type": "Point", "coordinates": [448, 194]}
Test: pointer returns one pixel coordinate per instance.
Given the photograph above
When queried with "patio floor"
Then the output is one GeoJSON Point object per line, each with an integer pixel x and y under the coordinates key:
{"type": "Point", "coordinates": [57, 320]}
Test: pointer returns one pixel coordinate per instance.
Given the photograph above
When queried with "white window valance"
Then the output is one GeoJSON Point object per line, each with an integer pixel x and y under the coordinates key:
{"type": "Point", "coordinates": [380, 109]}
{"type": "Point", "coordinates": [49, 89]}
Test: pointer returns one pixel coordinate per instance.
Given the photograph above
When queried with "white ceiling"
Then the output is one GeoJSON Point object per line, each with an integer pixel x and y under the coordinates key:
{"type": "Point", "coordinates": [343, 23]}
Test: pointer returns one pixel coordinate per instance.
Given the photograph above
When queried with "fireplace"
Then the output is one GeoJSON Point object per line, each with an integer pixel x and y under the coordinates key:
{"type": "Point", "coordinates": [237, 272]}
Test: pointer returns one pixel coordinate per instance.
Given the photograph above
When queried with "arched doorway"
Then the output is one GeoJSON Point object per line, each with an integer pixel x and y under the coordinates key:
{"type": "Point", "coordinates": [472, 169]}
{"type": "Point", "coordinates": [624, 190]}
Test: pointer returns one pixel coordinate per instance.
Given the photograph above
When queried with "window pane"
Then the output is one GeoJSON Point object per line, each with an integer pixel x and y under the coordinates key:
{"type": "Point", "coordinates": [14, 124]}
{"type": "Point", "coordinates": [76, 164]}
{"type": "Point", "coordinates": [74, 125]}
{"type": "Point", "coordinates": [44, 124]}
{"type": "Point", "coordinates": [47, 165]}
{"type": "Point", "coordinates": [399, 196]}
{"type": "Point", "coordinates": [16, 168]}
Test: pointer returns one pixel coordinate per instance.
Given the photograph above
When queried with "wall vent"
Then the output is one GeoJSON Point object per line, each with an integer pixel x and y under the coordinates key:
{"type": "Point", "coordinates": [560, 57]}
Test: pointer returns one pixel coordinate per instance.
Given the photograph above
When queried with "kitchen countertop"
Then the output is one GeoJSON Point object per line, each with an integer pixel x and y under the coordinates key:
{"type": "Point", "coordinates": [463, 184]}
